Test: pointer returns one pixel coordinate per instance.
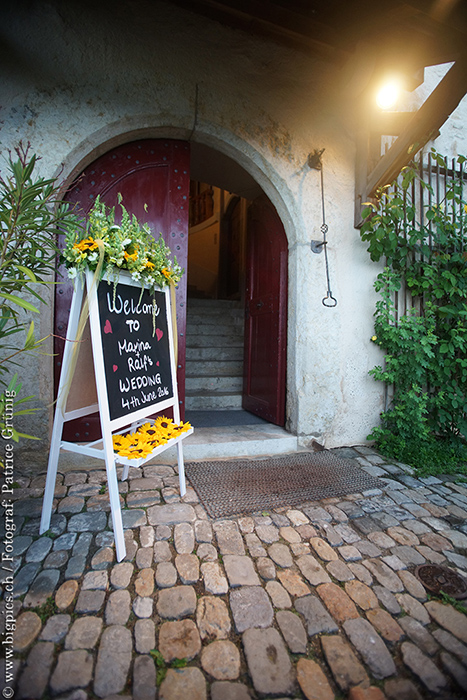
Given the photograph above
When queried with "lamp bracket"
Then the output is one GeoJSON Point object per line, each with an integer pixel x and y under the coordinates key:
{"type": "Point", "coordinates": [314, 159]}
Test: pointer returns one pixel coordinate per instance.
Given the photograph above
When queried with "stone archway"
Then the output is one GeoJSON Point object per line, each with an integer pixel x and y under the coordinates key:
{"type": "Point", "coordinates": [220, 162]}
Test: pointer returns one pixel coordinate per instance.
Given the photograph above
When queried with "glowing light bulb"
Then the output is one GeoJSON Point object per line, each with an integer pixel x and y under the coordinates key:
{"type": "Point", "coordinates": [388, 94]}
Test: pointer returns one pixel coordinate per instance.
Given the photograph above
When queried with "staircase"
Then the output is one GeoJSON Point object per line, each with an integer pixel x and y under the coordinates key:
{"type": "Point", "coordinates": [214, 382]}
{"type": "Point", "coordinates": [214, 354]}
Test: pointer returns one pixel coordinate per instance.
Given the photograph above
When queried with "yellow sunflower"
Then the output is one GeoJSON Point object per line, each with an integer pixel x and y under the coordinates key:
{"type": "Point", "coordinates": [86, 244]}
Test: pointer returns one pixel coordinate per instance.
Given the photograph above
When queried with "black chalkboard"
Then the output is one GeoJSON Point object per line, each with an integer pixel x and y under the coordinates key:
{"type": "Point", "coordinates": [135, 346]}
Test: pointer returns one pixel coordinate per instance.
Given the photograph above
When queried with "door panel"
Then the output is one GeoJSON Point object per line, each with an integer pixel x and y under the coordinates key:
{"type": "Point", "coordinates": [150, 172]}
{"type": "Point", "coordinates": [265, 314]}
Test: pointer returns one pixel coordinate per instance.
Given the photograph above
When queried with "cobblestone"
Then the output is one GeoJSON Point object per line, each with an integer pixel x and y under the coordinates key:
{"type": "Point", "coordinates": [42, 588]}
{"type": "Point", "coordinates": [183, 683]}
{"type": "Point", "coordinates": [144, 679]}
{"type": "Point", "coordinates": [117, 609]}
{"type": "Point", "coordinates": [179, 640]}
{"type": "Point", "coordinates": [268, 661]}
{"type": "Point", "coordinates": [187, 566]}
{"type": "Point", "coordinates": [293, 631]}
{"type": "Point", "coordinates": [280, 554]}
{"type": "Point", "coordinates": [212, 618]}
{"type": "Point", "coordinates": [113, 661]}
{"type": "Point", "coordinates": [371, 647]}
{"type": "Point", "coordinates": [56, 628]}
{"type": "Point", "coordinates": [221, 660]}
{"type": "Point", "coordinates": [312, 681]}
{"type": "Point", "coordinates": [145, 636]}
{"type": "Point", "coordinates": [345, 667]}
{"type": "Point", "coordinates": [385, 624]}
{"type": "Point", "coordinates": [423, 667]}
{"type": "Point", "coordinates": [84, 633]}
{"type": "Point", "coordinates": [266, 568]}
{"type": "Point", "coordinates": [316, 616]}
{"type": "Point", "coordinates": [245, 600]}
{"type": "Point", "coordinates": [214, 580]}
{"type": "Point", "coordinates": [33, 681]}
{"type": "Point", "coordinates": [143, 607]}
{"type": "Point", "coordinates": [28, 626]}
{"type": "Point", "coordinates": [74, 670]}
{"type": "Point", "coordinates": [419, 635]}
{"type": "Point", "coordinates": [66, 594]}
{"type": "Point", "coordinates": [251, 607]}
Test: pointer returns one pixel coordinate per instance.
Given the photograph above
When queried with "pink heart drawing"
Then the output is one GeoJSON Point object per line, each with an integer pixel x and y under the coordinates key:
{"type": "Point", "coordinates": [159, 333]}
{"type": "Point", "coordinates": [107, 327]}
{"type": "Point", "coordinates": [157, 363]}
{"type": "Point", "coordinates": [114, 367]}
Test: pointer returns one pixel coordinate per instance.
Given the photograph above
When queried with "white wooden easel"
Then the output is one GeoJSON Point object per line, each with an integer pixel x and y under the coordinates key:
{"type": "Point", "coordinates": [103, 448]}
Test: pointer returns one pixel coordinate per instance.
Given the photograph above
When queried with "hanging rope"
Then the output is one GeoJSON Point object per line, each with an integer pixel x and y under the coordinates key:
{"type": "Point", "coordinates": [328, 300]}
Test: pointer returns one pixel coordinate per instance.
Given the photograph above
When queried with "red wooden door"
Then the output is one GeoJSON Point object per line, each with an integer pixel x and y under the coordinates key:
{"type": "Point", "coordinates": [153, 177]}
{"type": "Point", "coordinates": [265, 314]}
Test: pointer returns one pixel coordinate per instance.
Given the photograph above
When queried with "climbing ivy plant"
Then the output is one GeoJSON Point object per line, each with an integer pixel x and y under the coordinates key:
{"type": "Point", "coordinates": [424, 249]}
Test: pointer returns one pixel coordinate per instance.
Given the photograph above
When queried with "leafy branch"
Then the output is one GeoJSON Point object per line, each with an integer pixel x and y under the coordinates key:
{"type": "Point", "coordinates": [31, 217]}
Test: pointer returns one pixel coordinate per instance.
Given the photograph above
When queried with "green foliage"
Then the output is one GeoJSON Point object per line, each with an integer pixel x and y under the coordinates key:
{"type": "Point", "coordinates": [46, 610]}
{"type": "Point", "coordinates": [11, 406]}
{"type": "Point", "coordinates": [425, 252]}
{"type": "Point", "coordinates": [449, 600]}
{"type": "Point", "coordinates": [161, 666]}
{"type": "Point", "coordinates": [126, 246]}
{"type": "Point", "coordinates": [31, 216]}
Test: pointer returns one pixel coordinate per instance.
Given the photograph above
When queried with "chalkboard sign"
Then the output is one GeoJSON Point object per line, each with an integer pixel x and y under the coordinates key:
{"type": "Point", "coordinates": [135, 345]}
{"type": "Point", "coordinates": [134, 369]}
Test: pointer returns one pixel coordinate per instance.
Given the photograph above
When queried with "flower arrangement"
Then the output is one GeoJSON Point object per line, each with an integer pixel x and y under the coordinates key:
{"type": "Point", "coordinates": [125, 246]}
{"type": "Point", "coordinates": [141, 443]}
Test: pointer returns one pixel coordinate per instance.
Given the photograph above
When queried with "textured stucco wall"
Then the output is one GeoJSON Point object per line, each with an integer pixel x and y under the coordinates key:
{"type": "Point", "coordinates": [80, 77]}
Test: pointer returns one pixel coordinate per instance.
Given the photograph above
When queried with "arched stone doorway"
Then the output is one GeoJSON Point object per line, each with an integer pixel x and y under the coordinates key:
{"type": "Point", "coordinates": [145, 171]}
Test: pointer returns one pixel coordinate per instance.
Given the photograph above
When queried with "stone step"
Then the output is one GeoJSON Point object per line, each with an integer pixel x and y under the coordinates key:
{"type": "Point", "coordinates": [213, 304]}
{"type": "Point", "coordinates": [220, 328]}
{"type": "Point", "coordinates": [207, 401]}
{"type": "Point", "coordinates": [214, 368]}
{"type": "Point", "coordinates": [220, 354]}
{"type": "Point", "coordinates": [234, 316]}
{"type": "Point", "coordinates": [213, 385]}
{"type": "Point", "coordinates": [213, 340]}
{"type": "Point", "coordinates": [240, 441]}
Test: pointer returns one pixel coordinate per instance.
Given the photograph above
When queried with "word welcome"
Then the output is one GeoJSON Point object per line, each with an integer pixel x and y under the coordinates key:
{"type": "Point", "coordinates": [130, 306]}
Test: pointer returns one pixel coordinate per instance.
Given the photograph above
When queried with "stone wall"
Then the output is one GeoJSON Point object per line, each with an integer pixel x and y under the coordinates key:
{"type": "Point", "coordinates": [82, 77]}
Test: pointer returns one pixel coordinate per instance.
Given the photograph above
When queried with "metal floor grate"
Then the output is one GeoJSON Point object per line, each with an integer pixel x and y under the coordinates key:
{"type": "Point", "coordinates": [245, 486]}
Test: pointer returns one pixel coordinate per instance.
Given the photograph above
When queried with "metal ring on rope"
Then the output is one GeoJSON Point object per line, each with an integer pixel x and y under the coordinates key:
{"type": "Point", "coordinates": [329, 300]}
{"type": "Point", "coordinates": [329, 296]}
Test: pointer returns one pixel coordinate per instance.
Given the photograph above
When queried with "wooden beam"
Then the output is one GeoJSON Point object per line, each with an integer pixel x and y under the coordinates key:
{"type": "Point", "coordinates": [422, 126]}
{"type": "Point", "coordinates": [361, 170]}
{"type": "Point", "coordinates": [270, 21]}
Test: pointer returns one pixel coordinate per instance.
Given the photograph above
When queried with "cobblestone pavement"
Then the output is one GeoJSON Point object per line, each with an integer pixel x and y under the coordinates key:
{"type": "Point", "coordinates": [315, 602]}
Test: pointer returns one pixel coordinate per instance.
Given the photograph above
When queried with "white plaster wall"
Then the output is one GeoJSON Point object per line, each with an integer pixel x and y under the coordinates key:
{"type": "Point", "coordinates": [80, 77]}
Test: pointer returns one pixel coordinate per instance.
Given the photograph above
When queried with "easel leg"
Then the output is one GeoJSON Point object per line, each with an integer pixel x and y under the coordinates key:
{"type": "Point", "coordinates": [126, 468]}
{"type": "Point", "coordinates": [60, 410]}
{"type": "Point", "coordinates": [181, 470]}
{"type": "Point", "coordinates": [114, 497]}
{"type": "Point", "coordinates": [51, 471]}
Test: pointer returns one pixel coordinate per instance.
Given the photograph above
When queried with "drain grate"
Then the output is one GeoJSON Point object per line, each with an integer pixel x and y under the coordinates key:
{"type": "Point", "coordinates": [245, 486]}
{"type": "Point", "coordinates": [438, 578]}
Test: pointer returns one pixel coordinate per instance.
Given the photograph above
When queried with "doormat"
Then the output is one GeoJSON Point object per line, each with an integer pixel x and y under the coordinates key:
{"type": "Point", "coordinates": [239, 487]}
